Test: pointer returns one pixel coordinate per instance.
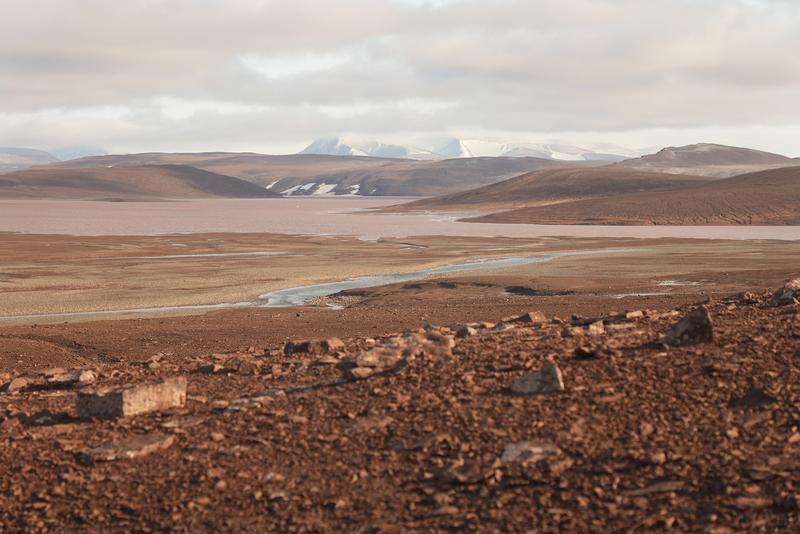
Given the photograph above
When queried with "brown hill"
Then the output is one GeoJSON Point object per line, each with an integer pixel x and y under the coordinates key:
{"type": "Point", "coordinates": [304, 174]}
{"type": "Point", "coordinates": [708, 159]}
{"type": "Point", "coordinates": [119, 183]}
{"type": "Point", "coordinates": [765, 198]}
{"type": "Point", "coordinates": [555, 186]}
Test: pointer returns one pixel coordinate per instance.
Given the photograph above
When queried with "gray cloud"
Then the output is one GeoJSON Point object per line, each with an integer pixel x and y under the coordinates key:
{"type": "Point", "coordinates": [271, 75]}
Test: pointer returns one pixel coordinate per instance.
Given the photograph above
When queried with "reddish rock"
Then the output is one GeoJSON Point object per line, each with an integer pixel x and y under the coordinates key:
{"type": "Point", "coordinates": [132, 400]}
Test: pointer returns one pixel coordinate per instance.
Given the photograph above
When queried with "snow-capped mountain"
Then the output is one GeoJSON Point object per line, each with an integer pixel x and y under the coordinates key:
{"type": "Point", "coordinates": [335, 146]}
{"type": "Point", "coordinates": [472, 148]}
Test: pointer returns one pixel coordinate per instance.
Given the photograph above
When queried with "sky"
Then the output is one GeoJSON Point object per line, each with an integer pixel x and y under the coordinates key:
{"type": "Point", "coordinates": [272, 75]}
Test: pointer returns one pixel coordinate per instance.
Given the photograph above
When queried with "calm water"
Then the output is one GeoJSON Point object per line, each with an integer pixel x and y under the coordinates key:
{"type": "Point", "coordinates": [311, 216]}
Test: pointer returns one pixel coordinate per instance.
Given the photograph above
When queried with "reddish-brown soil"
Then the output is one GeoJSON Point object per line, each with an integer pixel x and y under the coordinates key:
{"type": "Point", "coordinates": [119, 183]}
{"type": "Point", "coordinates": [708, 159]}
{"type": "Point", "coordinates": [764, 198]}
{"type": "Point", "coordinates": [702, 438]}
{"type": "Point", "coordinates": [554, 186]}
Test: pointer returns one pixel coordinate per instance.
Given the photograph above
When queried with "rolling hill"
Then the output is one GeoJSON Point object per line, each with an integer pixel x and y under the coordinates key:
{"type": "Point", "coordinates": [119, 183]}
{"type": "Point", "coordinates": [319, 175]}
{"type": "Point", "coordinates": [552, 186]}
{"type": "Point", "coordinates": [12, 159]}
{"type": "Point", "coordinates": [764, 198]}
{"type": "Point", "coordinates": [708, 159]}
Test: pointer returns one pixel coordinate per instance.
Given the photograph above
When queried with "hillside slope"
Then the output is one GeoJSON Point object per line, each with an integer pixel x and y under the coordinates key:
{"type": "Point", "coordinates": [708, 159]}
{"type": "Point", "coordinates": [765, 198]}
{"type": "Point", "coordinates": [12, 159]}
{"type": "Point", "coordinates": [119, 183]}
{"type": "Point", "coordinates": [555, 186]}
{"type": "Point", "coordinates": [316, 175]}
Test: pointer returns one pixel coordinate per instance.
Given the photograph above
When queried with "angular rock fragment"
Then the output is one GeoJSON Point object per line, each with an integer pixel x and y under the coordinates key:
{"type": "Point", "coordinates": [535, 318]}
{"type": "Point", "coordinates": [463, 331]}
{"type": "Point", "coordinates": [128, 448]}
{"type": "Point", "coordinates": [133, 400]}
{"type": "Point", "coordinates": [333, 344]}
{"type": "Point", "coordinates": [596, 328]}
{"type": "Point", "coordinates": [79, 376]}
{"type": "Point", "coordinates": [379, 357]}
{"type": "Point", "coordinates": [529, 451]}
{"type": "Point", "coordinates": [16, 384]}
{"type": "Point", "coordinates": [696, 327]}
{"type": "Point", "coordinates": [503, 326]}
{"type": "Point", "coordinates": [788, 294]}
{"type": "Point", "coordinates": [244, 364]}
{"type": "Point", "coordinates": [547, 380]}
{"type": "Point", "coordinates": [632, 315]}
{"type": "Point", "coordinates": [329, 345]}
{"type": "Point", "coordinates": [396, 350]}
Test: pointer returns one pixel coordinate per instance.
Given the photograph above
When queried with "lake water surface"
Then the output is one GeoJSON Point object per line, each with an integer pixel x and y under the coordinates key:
{"type": "Point", "coordinates": [317, 216]}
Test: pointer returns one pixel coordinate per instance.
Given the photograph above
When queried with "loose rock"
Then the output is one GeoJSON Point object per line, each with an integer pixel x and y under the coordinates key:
{"type": "Point", "coordinates": [788, 294]}
{"type": "Point", "coordinates": [696, 327]}
{"type": "Point", "coordinates": [129, 448]}
{"type": "Point", "coordinates": [133, 400]}
{"type": "Point", "coordinates": [529, 451]}
{"type": "Point", "coordinates": [547, 380]}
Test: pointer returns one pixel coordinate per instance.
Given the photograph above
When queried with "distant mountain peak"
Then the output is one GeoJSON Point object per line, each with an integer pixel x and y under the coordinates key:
{"type": "Point", "coordinates": [469, 148]}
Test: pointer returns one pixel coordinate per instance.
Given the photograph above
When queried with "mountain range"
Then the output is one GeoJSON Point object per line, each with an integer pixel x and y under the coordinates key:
{"type": "Point", "coordinates": [471, 148]}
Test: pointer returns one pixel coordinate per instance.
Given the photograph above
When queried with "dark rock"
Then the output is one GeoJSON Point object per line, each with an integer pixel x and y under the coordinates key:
{"type": "Point", "coordinates": [788, 294]}
{"type": "Point", "coordinates": [547, 380]}
{"type": "Point", "coordinates": [696, 327]}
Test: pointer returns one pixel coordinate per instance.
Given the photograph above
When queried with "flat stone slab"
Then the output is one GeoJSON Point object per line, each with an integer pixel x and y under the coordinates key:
{"type": "Point", "coordinates": [129, 448]}
{"type": "Point", "coordinates": [133, 400]}
{"type": "Point", "coordinates": [529, 451]}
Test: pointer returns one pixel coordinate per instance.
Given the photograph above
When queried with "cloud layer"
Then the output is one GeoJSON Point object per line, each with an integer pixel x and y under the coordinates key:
{"type": "Point", "coordinates": [271, 75]}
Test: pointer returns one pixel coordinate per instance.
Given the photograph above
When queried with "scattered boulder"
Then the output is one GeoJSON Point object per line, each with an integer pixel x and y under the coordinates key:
{"type": "Point", "coordinates": [396, 350]}
{"type": "Point", "coordinates": [16, 384]}
{"type": "Point", "coordinates": [572, 331]}
{"type": "Point", "coordinates": [132, 400]}
{"type": "Point", "coordinates": [463, 331]}
{"type": "Point", "coordinates": [333, 344]}
{"type": "Point", "coordinates": [633, 315]}
{"type": "Point", "coordinates": [788, 294]}
{"type": "Point", "coordinates": [529, 451]}
{"type": "Point", "coordinates": [245, 364]}
{"type": "Point", "coordinates": [535, 318]}
{"type": "Point", "coordinates": [547, 380]}
{"type": "Point", "coordinates": [128, 448]}
{"type": "Point", "coordinates": [596, 328]}
{"type": "Point", "coordinates": [503, 326]}
{"type": "Point", "coordinates": [78, 376]}
{"type": "Point", "coordinates": [329, 345]}
{"type": "Point", "coordinates": [303, 347]}
{"type": "Point", "coordinates": [696, 327]}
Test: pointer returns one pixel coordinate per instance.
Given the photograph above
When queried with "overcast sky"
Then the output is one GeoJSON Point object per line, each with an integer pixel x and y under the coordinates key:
{"type": "Point", "coordinates": [271, 75]}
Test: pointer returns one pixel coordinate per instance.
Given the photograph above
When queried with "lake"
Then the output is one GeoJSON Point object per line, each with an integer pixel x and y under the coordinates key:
{"type": "Point", "coordinates": [316, 216]}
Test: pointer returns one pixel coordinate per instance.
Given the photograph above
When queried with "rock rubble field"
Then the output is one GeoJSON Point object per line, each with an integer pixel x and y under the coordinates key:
{"type": "Point", "coordinates": [682, 419]}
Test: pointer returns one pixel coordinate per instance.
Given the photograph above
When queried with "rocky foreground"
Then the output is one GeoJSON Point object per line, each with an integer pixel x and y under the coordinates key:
{"type": "Point", "coordinates": [682, 419]}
